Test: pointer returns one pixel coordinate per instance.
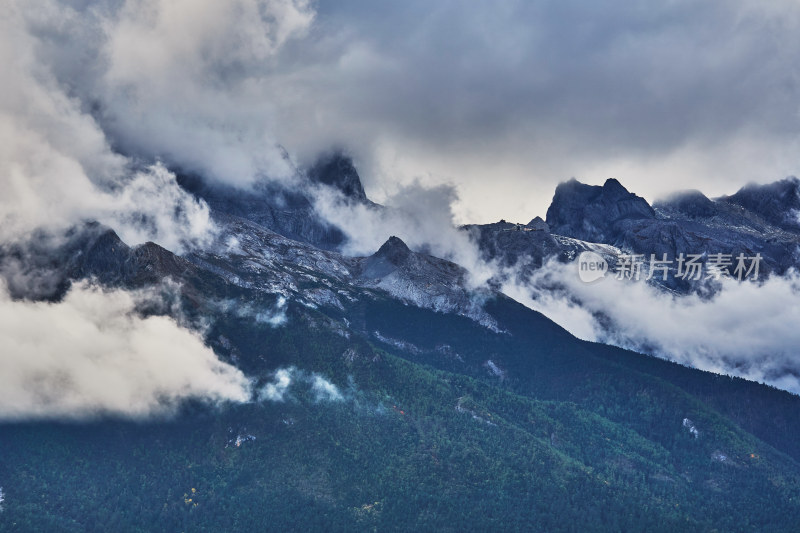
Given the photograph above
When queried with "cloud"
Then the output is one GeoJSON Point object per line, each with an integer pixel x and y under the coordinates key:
{"type": "Point", "coordinates": [285, 379]}
{"type": "Point", "coordinates": [187, 81]}
{"type": "Point", "coordinates": [746, 329]}
{"type": "Point", "coordinates": [513, 97]}
{"type": "Point", "coordinates": [324, 390]}
{"type": "Point", "coordinates": [151, 206]}
{"type": "Point", "coordinates": [420, 215]}
{"type": "Point", "coordinates": [273, 317]}
{"type": "Point", "coordinates": [57, 167]}
{"type": "Point", "coordinates": [277, 389]}
{"type": "Point", "coordinates": [91, 355]}
{"type": "Point", "coordinates": [505, 98]}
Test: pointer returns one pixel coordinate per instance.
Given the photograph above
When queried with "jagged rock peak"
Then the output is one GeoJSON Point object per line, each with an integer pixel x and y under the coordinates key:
{"type": "Point", "coordinates": [394, 250]}
{"type": "Point", "coordinates": [538, 224]}
{"type": "Point", "coordinates": [787, 184]}
{"type": "Point", "coordinates": [785, 191]}
{"type": "Point", "coordinates": [612, 187]}
{"type": "Point", "coordinates": [336, 170]}
{"type": "Point", "coordinates": [588, 212]}
{"type": "Point", "coordinates": [690, 202]}
{"type": "Point", "coordinates": [393, 255]}
{"type": "Point", "coordinates": [778, 202]}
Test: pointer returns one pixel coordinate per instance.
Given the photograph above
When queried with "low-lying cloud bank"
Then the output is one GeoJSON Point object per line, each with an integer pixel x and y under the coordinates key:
{"type": "Point", "coordinates": [91, 355]}
{"type": "Point", "coordinates": [746, 329]}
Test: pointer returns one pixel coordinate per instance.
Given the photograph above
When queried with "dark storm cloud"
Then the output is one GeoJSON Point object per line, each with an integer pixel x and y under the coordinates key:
{"type": "Point", "coordinates": [642, 75]}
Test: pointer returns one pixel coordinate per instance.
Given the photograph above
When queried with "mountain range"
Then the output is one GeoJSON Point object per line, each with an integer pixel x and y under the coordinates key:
{"type": "Point", "coordinates": [451, 406]}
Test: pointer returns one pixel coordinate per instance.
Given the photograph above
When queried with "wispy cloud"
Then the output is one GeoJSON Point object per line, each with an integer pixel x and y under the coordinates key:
{"type": "Point", "coordinates": [422, 216]}
{"type": "Point", "coordinates": [273, 316]}
{"type": "Point", "coordinates": [285, 380]}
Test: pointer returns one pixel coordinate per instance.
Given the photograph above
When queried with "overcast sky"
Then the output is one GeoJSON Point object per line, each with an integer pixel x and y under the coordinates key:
{"type": "Point", "coordinates": [506, 99]}
{"type": "Point", "coordinates": [501, 99]}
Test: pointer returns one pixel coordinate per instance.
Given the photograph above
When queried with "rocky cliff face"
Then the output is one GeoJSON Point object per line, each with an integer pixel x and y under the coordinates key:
{"type": "Point", "coordinates": [288, 208]}
{"type": "Point", "coordinates": [423, 280]}
{"type": "Point", "coordinates": [593, 213]}
{"type": "Point", "coordinates": [777, 203]}
{"type": "Point", "coordinates": [691, 204]}
{"type": "Point", "coordinates": [336, 170]}
{"type": "Point", "coordinates": [43, 267]}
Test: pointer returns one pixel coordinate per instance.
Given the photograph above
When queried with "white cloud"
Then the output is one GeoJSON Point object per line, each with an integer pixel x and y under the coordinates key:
{"type": "Point", "coordinates": [57, 167]}
{"type": "Point", "coordinates": [324, 390]}
{"type": "Point", "coordinates": [285, 379]}
{"type": "Point", "coordinates": [91, 354]}
{"type": "Point", "coordinates": [276, 390]}
{"type": "Point", "coordinates": [746, 329]}
{"type": "Point", "coordinates": [273, 317]}
{"type": "Point", "coordinates": [421, 216]}
{"type": "Point", "coordinates": [506, 98]}
{"type": "Point", "coordinates": [187, 80]}
{"type": "Point", "coordinates": [510, 98]}
{"type": "Point", "coordinates": [151, 206]}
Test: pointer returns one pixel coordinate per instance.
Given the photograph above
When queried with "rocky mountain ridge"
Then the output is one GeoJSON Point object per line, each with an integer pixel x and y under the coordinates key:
{"type": "Point", "coordinates": [444, 394]}
{"type": "Point", "coordinates": [612, 221]}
